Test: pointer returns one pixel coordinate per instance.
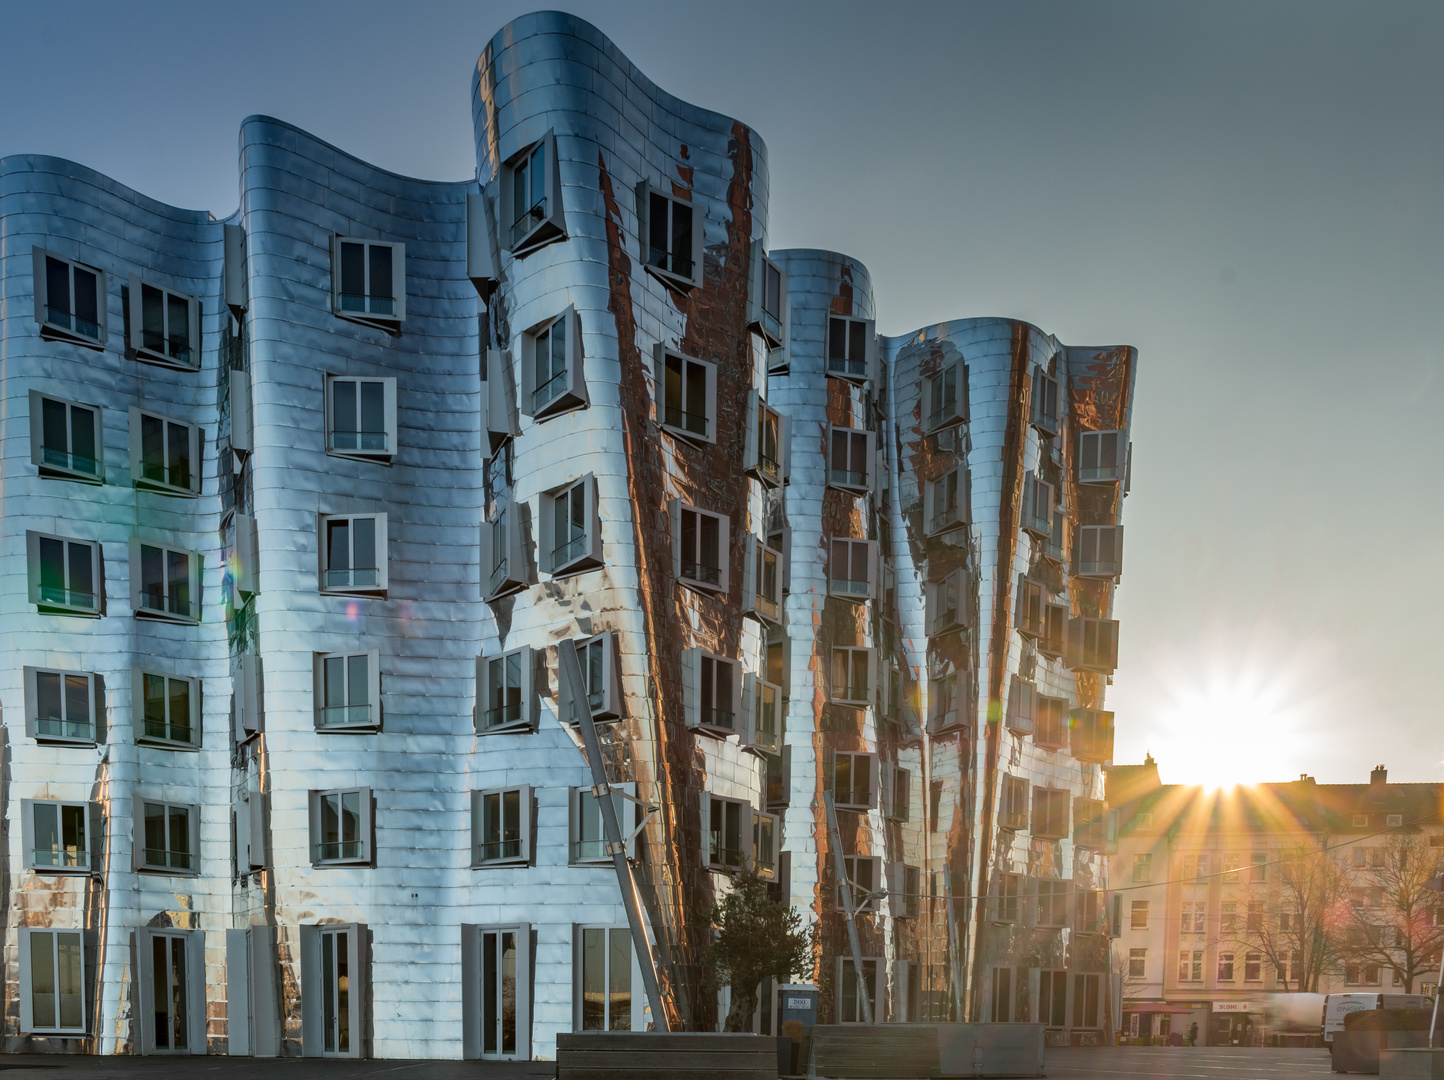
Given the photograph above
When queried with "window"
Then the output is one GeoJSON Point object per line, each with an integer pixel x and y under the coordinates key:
{"type": "Point", "coordinates": [1051, 902]}
{"type": "Point", "coordinates": [854, 781]}
{"type": "Point", "coordinates": [1143, 867]}
{"type": "Point", "coordinates": [165, 582]}
{"type": "Point", "coordinates": [851, 348]}
{"type": "Point", "coordinates": [947, 501]}
{"type": "Point", "coordinates": [1137, 963]}
{"type": "Point", "coordinates": [1192, 917]}
{"type": "Point", "coordinates": [368, 280]}
{"type": "Point", "coordinates": [499, 399]}
{"type": "Point", "coordinates": [1038, 498]}
{"type": "Point", "coordinates": [852, 568]}
{"type": "Point", "coordinates": [766, 442]}
{"type": "Point", "coordinates": [1228, 917]}
{"type": "Point", "coordinates": [850, 459]}
{"type": "Point", "coordinates": [166, 837]}
{"type": "Point", "coordinates": [52, 983]}
{"type": "Point", "coordinates": [1050, 813]}
{"type": "Point", "coordinates": [947, 703]}
{"type": "Point", "coordinates": [166, 710]}
{"type": "Point", "coordinates": [1013, 811]}
{"type": "Point", "coordinates": [779, 778]}
{"type": "Point", "coordinates": [1029, 612]}
{"type": "Point", "coordinates": [767, 297]}
{"type": "Point", "coordinates": [1100, 551]}
{"type": "Point", "coordinates": [904, 885]}
{"type": "Point", "coordinates": [601, 676]}
{"type": "Point", "coordinates": [1138, 913]}
{"type": "Point", "coordinates": [531, 198]}
{"type": "Point", "coordinates": [897, 793]}
{"type": "Point", "coordinates": [946, 604]}
{"type": "Point", "coordinates": [945, 396]}
{"type": "Point", "coordinates": [504, 564]}
{"type": "Point", "coordinates": [670, 231]}
{"type": "Point", "coordinates": [501, 827]}
{"type": "Point", "coordinates": [171, 985]}
{"type": "Point", "coordinates": [1055, 629]}
{"type": "Point", "coordinates": [341, 827]}
{"type": "Point", "coordinates": [764, 845]}
{"type": "Point", "coordinates": [1361, 821]}
{"type": "Point", "coordinates": [1006, 900]}
{"type": "Point", "coordinates": [165, 326]}
{"type": "Point", "coordinates": [1045, 402]}
{"type": "Point", "coordinates": [1050, 730]}
{"type": "Point", "coordinates": [853, 675]}
{"type": "Point", "coordinates": [1022, 706]}
{"type": "Point", "coordinates": [61, 837]}
{"type": "Point", "coordinates": [246, 701]}
{"type": "Point", "coordinates": [1230, 869]}
{"type": "Point", "coordinates": [65, 574]}
{"type": "Point", "coordinates": [240, 553]}
{"type": "Point", "coordinates": [1090, 914]}
{"type": "Point", "coordinates": [1094, 825]}
{"type": "Point", "coordinates": [686, 395]}
{"type": "Point", "coordinates": [588, 836]}
{"type": "Point", "coordinates": [249, 819]}
{"type": "Point", "coordinates": [712, 689]}
{"type": "Point", "coordinates": [864, 878]}
{"type": "Point", "coordinates": [66, 438]}
{"type": "Point", "coordinates": [762, 568]}
{"type": "Point", "coordinates": [1254, 917]}
{"type": "Point", "coordinates": [1190, 965]}
{"type": "Point", "coordinates": [604, 988]}
{"type": "Point", "coordinates": [1093, 645]}
{"type": "Point", "coordinates": [70, 299]}
{"type": "Point", "coordinates": [505, 694]}
{"type": "Point", "coordinates": [726, 833]}
{"type": "Point", "coordinates": [360, 417]}
{"type": "Point", "coordinates": [496, 991]}
{"type": "Point", "coordinates": [764, 731]}
{"type": "Point", "coordinates": [571, 528]}
{"type": "Point", "coordinates": [1393, 821]}
{"type": "Point", "coordinates": [700, 548]}
{"type": "Point", "coordinates": [1143, 823]}
{"type": "Point", "coordinates": [63, 706]}
{"type": "Point", "coordinates": [348, 691]}
{"type": "Point", "coordinates": [552, 377]}
{"type": "Point", "coordinates": [1258, 868]}
{"type": "Point", "coordinates": [334, 998]}
{"type": "Point", "coordinates": [1086, 987]}
{"type": "Point", "coordinates": [849, 1005]}
{"type": "Point", "coordinates": [1091, 735]}
{"type": "Point", "coordinates": [1100, 457]}
{"type": "Point", "coordinates": [353, 553]}
{"type": "Point", "coordinates": [1225, 967]}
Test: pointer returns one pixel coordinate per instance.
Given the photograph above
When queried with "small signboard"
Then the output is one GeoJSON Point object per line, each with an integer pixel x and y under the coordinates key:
{"type": "Point", "coordinates": [1234, 1007]}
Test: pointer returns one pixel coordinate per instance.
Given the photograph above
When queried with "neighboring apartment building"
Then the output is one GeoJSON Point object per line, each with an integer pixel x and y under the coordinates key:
{"type": "Point", "coordinates": [1197, 881]}
{"type": "Point", "coordinates": [298, 504]}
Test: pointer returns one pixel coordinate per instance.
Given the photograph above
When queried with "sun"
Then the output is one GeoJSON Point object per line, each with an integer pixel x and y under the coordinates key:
{"type": "Point", "coordinates": [1230, 728]}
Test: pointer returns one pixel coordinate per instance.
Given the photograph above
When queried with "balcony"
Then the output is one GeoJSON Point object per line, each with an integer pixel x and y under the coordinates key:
{"type": "Point", "coordinates": [357, 577]}
{"type": "Point", "coordinates": [355, 303]}
{"type": "Point", "coordinates": [61, 459]}
{"type": "Point", "coordinates": [346, 716]}
{"type": "Point", "coordinates": [74, 323]}
{"type": "Point", "coordinates": [372, 441]}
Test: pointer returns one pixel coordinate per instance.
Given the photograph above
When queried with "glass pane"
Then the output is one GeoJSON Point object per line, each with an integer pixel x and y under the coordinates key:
{"type": "Point", "coordinates": [52, 571]}
{"type": "Point", "coordinates": [178, 455]}
{"type": "Point", "coordinates": [358, 690]}
{"type": "Point", "coordinates": [152, 577]}
{"type": "Point", "coordinates": [519, 201]}
{"type": "Point", "coordinates": [82, 583]}
{"type": "Point", "coordinates": [682, 240]}
{"type": "Point", "coordinates": [732, 838]}
{"type": "Point", "coordinates": [558, 340]}
{"type": "Point", "coordinates": [353, 272]}
{"type": "Point", "coordinates": [714, 833]}
{"type": "Point", "coordinates": [538, 175]}
{"type": "Point", "coordinates": [364, 547]}
{"type": "Point", "coordinates": [155, 846]}
{"type": "Point", "coordinates": [672, 391]}
{"type": "Point", "coordinates": [696, 407]}
{"type": "Point", "coordinates": [508, 993]}
{"type": "Point", "coordinates": [77, 704]}
{"type": "Point", "coordinates": [373, 415]}
{"type": "Point", "coordinates": [711, 554]}
{"type": "Point", "coordinates": [57, 291]}
{"type": "Point", "coordinates": [338, 552]}
{"type": "Point", "coordinates": [381, 272]}
{"type": "Point", "coordinates": [54, 429]}
{"type": "Point", "coordinates": [657, 232]}
{"type": "Point", "coordinates": [47, 834]}
{"type": "Point", "coordinates": [160, 992]}
{"type": "Point", "coordinates": [351, 818]}
{"type": "Point", "coordinates": [594, 967]}
{"type": "Point", "coordinates": [343, 415]}
{"type": "Point", "coordinates": [180, 837]}
{"type": "Point", "coordinates": [330, 826]}
{"type": "Point", "coordinates": [619, 981]}
{"type": "Point", "coordinates": [328, 991]}
{"type": "Point", "coordinates": [178, 992]}
{"type": "Point", "coordinates": [178, 571]}
{"type": "Point", "coordinates": [42, 979]}
{"type": "Point", "coordinates": [72, 835]}
{"type": "Point", "coordinates": [857, 341]}
{"type": "Point", "coordinates": [152, 312]}
{"type": "Point", "coordinates": [180, 710]}
{"type": "Point", "coordinates": [87, 303]}
{"type": "Point", "coordinates": [343, 994]}
{"type": "Point", "coordinates": [178, 328]}
{"type": "Point", "coordinates": [48, 714]}
{"type": "Point", "coordinates": [490, 1005]}
{"type": "Point", "coordinates": [842, 778]}
{"type": "Point", "coordinates": [152, 449]}
{"type": "Point", "coordinates": [510, 825]}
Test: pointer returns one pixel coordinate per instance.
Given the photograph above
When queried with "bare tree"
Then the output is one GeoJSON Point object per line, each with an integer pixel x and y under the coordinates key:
{"type": "Point", "coordinates": [1387, 919]}
{"type": "Point", "coordinates": [1292, 908]}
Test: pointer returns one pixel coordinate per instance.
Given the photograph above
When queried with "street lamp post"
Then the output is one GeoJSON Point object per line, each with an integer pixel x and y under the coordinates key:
{"type": "Point", "coordinates": [1436, 883]}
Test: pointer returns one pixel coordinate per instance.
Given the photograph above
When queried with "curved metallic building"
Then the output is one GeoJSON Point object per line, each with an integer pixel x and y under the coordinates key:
{"type": "Point", "coordinates": [303, 508]}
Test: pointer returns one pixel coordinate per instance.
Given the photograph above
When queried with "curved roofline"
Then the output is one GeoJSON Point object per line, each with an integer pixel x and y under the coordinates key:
{"type": "Point", "coordinates": [16, 162]}
{"type": "Point", "coordinates": [262, 118]}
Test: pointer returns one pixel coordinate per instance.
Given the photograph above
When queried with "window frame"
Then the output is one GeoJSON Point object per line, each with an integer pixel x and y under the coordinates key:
{"type": "Point", "coordinates": [1044, 392]}
{"type": "Point", "coordinates": [695, 710]}
{"type": "Point", "coordinates": [25, 991]}
{"type": "Point", "coordinates": [847, 799]}
{"type": "Point", "coordinates": [384, 320]}
{"type": "Point", "coordinates": [934, 523]}
{"type": "Point", "coordinates": [948, 711]}
{"type": "Point", "coordinates": [1014, 804]}
{"type": "Point", "coordinates": [1053, 642]}
{"type": "Point", "coordinates": [1091, 536]}
{"type": "Point", "coordinates": [1051, 811]}
{"type": "Point", "coordinates": [366, 827]}
{"type": "Point", "coordinates": [576, 797]}
{"type": "Point", "coordinates": [845, 367]}
{"type": "Point", "coordinates": [612, 704]}
{"type": "Point", "coordinates": [547, 227]}
{"type": "Point", "coordinates": [57, 331]}
{"type": "Point", "coordinates": [1092, 645]}
{"type": "Point", "coordinates": [1050, 901]}
{"type": "Point", "coordinates": [502, 419]}
{"type": "Point", "coordinates": [373, 718]}
{"type": "Point", "coordinates": [94, 698]}
{"type": "Point", "coordinates": [589, 555]}
{"type": "Point", "coordinates": [475, 993]}
{"type": "Point", "coordinates": [514, 572]}
{"type": "Point", "coordinates": [92, 821]}
{"type": "Point", "coordinates": [194, 990]}
{"type": "Point", "coordinates": [97, 573]}
{"type": "Point", "coordinates": [678, 511]}
{"type": "Point", "coordinates": [744, 853]}
{"type": "Point", "coordinates": [766, 606]}
{"type": "Point", "coordinates": [1028, 610]}
{"type": "Point", "coordinates": [666, 274]}
{"type": "Point", "coordinates": [755, 690]}
{"type": "Point", "coordinates": [38, 449]}
{"type": "Point", "coordinates": [573, 392]}
{"type": "Point", "coordinates": [768, 826]}
{"type": "Point", "coordinates": [1050, 730]}
{"type": "Point", "coordinates": [1090, 734]}
{"type": "Point", "coordinates": [380, 539]}
{"type": "Point", "coordinates": [845, 695]}
{"type": "Point", "coordinates": [1008, 896]}
{"type": "Point", "coordinates": [879, 973]}
{"type": "Point", "coordinates": [1138, 915]}
{"type": "Point", "coordinates": [1142, 860]}
{"type": "Point", "coordinates": [635, 992]}
{"type": "Point", "coordinates": [194, 568]}
{"type": "Point", "coordinates": [661, 354]}
{"type": "Point", "coordinates": [772, 472]}
{"type": "Point", "coordinates": [834, 582]}
{"type": "Point", "coordinates": [773, 326]}
{"type": "Point", "coordinates": [904, 886]}
{"type": "Point", "coordinates": [849, 865]}
{"type": "Point", "coordinates": [137, 345]}
{"type": "Point", "coordinates": [1039, 499]}
{"type": "Point", "coordinates": [1092, 443]}
{"type": "Point", "coordinates": [138, 676]}
{"type": "Point", "coordinates": [846, 479]}
{"type": "Point", "coordinates": [1022, 712]}
{"type": "Point", "coordinates": [527, 711]}
{"type": "Point", "coordinates": [945, 604]}
{"type": "Point", "coordinates": [935, 419]}
{"type": "Point", "coordinates": [140, 858]}
{"type": "Point", "coordinates": [388, 418]}
{"type": "Point", "coordinates": [897, 793]}
{"type": "Point", "coordinates": [523, 840]}
{"type": "Point", "coordinates": [359, 948]}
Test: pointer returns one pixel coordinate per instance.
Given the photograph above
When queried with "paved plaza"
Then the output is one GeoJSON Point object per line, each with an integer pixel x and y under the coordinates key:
{"type": "Point", "coordinates": [1185, 1063]}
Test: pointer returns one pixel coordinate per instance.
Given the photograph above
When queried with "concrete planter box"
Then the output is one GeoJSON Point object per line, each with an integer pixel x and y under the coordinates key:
{"type": "Point", "coordinates": [1358, 1051]}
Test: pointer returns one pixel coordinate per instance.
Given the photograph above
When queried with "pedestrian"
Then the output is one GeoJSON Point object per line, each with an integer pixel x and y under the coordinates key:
{"type": "Point", "coordinates": [1193, 1033]}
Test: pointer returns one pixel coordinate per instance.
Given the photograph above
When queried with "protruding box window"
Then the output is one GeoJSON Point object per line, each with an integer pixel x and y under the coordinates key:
{"type": "Point", "coordinates": [852, 568]}
{"type": "Point", "coordinates": [65, 574]}
{"type": "Point", "coordinates": [1055, 629]}
{"type": "Point", "coordinates": [945, 396]}
{"type": "Point", "coordinates": [1050, 812]}
{"type": "Point", "coordinates": [1091, 735]}
{"type": "Point", "coordinates": [864, 876]}
{"type": "Point", "coordinates": [588, 836]}
{"type": "Point", "coordinates": [601, 673]}
{"type": "Point", "coordinates": [855, 781]}
{"type": "Point", "coordinates": [66, 439]}
{"type": "Point", "coordinates": [165, 325]}
{"type": "Point", "coordinates": [1100, 551]}
{"type": "Point", "coordinates": [686, 395]}
{"type": "Point", "coordinates": [764, 728]}
{"type": "Point", "coordinates": [165, 582]}
{"type": "Point", "coordinates": [166, 837]}
{"type": "Point", "coordinates": [250, 822]}
{"type": "Point", "coordinates": [571, 528]}
{"type": "Point", "coordinates": [947, 709]}
{"type": "Point", "coordinates": [480, 266]}
{"type": "Point", "coordinates": [1050, 900]}
{"type": "Point", "coordinates": [360, 417]}
{"type": "Point", "coordinates": [947, 502]}
{"type": "Point", "coordinates": [165, 454]}
{"type": "Point", "coordinates": [726, 833]}
{"type": "Point", "coordinates": [1101, 457]}
{"type": "Point", "coordinates": [1093, 645]}
{"type": "Point", "coordinates": [779, 778]}
{"type": "Point", "coordinates": [1093, 826]}
{"type": "Point", "coordinates": [553, 381]}
{"type": "Point", "coordinates": [851, 348]}
{"type": "Point", "coordinates": [1013, 803]}
{"type": "Point", "coordinates": [670, 231]}
{"type": "Point", "coordinates": [897, 793]}
{"type": "Point", "coordinates": [368, 281]}
{"type": "Point", "coordinates": [904, 886]}
{"type": "Point", "coordinates": [63, 706]}
{"type": "Point", "coordinates": [242, 558]}
{"type": "Point", "coordinates": [167, 710]}
{"type": "Point", "coordinates": [353, 553]}
{"type": "Point", "coordinates": [531, 198]}
{"type": "Point", "coordinates": [1007, 893]}
{"type": "Point", "coordinates": [240, 397]}
{"type": "Point", "coordinates": [850, 459]}
{"type": "Point", "coordinates": [501, 827]}
{"type": "Point", "coordinates": [70, 299]}
{"type": "Point", "coordinates": [246, 698]}
{"type": "Point", "coordinates": [61, 837]}
{"type": "Point", "coordinates": [341, 827]}
{"type": "Point", "coordinates": [1044, 413]}
{"type": "Point", "coordinates": [712, 692]}
{"type": "Point", "coordinates": [700, 547]}
{"type": "Point", "coordinates": [1022, 706]}
{"type": "Point", "coordinates": [765, 834]}
{"type": "Point", "coordinates": [945, 604]}
{"type": "Point", "coordinates": [1050, 731]}
{"type": "Point", "coordinates": [766, 442]}
{"type": "Point", "coordinates": [762, 580]}
{"type": "Point", "coordinates": [1038, 498]}
{"type": "Point", "coordinates": [505, 567]}
{"type": "Point", "coordinates": [1029, 614]}
{"type": "Point", "coordinates": [234, 269]}
{"type": "Point", "coordinates": [52, 981]}
{"type": "Point", "coordinates": [505, 692]}
{"type": "Point", "coordinates": [767, 297]}
{"type": "Point", "coordinates": [348, 691]}
{"type": "Point", "coordinates": [854, 674]}
{"type": "Point", "coordinates": [499, 397]}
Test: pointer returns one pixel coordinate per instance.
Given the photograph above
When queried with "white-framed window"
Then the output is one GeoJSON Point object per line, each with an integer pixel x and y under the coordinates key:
{"type": "Point", "coordinates": [588, 836]}
{"type": "Point", "coordinates": [766, 447]}
{"type": "Point", "coordinates": [686, 395]}
{"type": "Point", "coordinates": [341, 827]}
{"type": "Point", "coordinates": [67, 440]}
{"type": "Point", "coordinates": [850, 457]}
{"type": "Point", "coordinates": [1044, 412]}
{"type": "Point", "coordinates": [1090, 732]}
{"type": "Point", "coordinates": [553, 377]}
{"type": "Point", "coordinates": [1138, 914]}
{"type": "Point", "coordinates": [70, 299]}
{"type": "Point", "coordinates": [1051, 902]}
{"type": "Point", "coordinates": [496, 991]}
{"type": "Point", "coordinates": [166, 709]}
{"type": "Point", "coordinates": [571, 527]}
{"type": "Point", "coordinates": [530, 197]}
{"type": "Point", "coordinates": [762, 568]}
{"type": "Point", "coordinates": [864, 875]}
{"type": "Point", "coordinates": [1050, 725]}
{"type": "Point", "coordinates": [1022, 706]}
{"type": "Point", "coordinates": [505, 567]}
{"type": "Point", "coordinates": [165, 582]}
{"type": "Point", "coordinates": [947, 709]}
{"type": "Point", "coordinates": [1050, 813]}
{"type": "Point", "coordinates": [170, 982]}
{"type": "Point", "coordinates": [1143, 866]}
{"type": "Point", "coordinates": [61, 837]}
{"type": "Point", "coordinates": [368, 280]}
{"type": "Point", "coordinates": [1007, 895]}
{"type": "Point", "coordinates": [166, 836]}
{"type": "Point", "coordinates": [852, 568]}
{"type": "Point", "coordinates": [855, 780]}
{"type": "Point", "coordinates": [851, 348]}
{"type": "Point", "coordinates": [598, 657]}
{"type": "Point", "coordinates": [1093, 645]}
{"type": "Point", "coordinates": [1029, 609]}
{"type": "Point", "coordinates": [1190, 965]}
{"type": "Point", "coordinates": [726, 833]}
{"type": "Point", "coordinates": [1055, 629]}
{"type": "Point", "coordinates": [165, 325]}
{"type": "Point", "coordinates": [1013, 803]}
{"type": "Point", "coordinates": [348, 691]}
{"type": "Point", "coordinates": [767, 297]}
{"type": "Point", "coordinates": [946, 604]}
{"type": "Point", "coordinates": [854, 674]}
{"type": "Point", "coordinates": [1253, 967]}
{"type": "Point", "coordinates": [764, 716]}
{"type": "Point", "coordinates": [712, 692]}
{"type": "Point", "coordinates": [670, 233]}
{"type": "Point", "coordinates": [1100, 551]}
{"type": "Point", "coordinates": [506, 692]}
{"type": "Point", "coordinates": [65, 574]}
{"type": "Point", "coordinates": [63, 706]}
{"type": "Point", "coordinates": [947, 501]}
{"type": "Point", "coordinates": [360, 417]}
{"type": "Point", "coordinates": [1101, 457]}
{"type": "Point", "coordinates": [700, 548]}
{"type": "Point", "coordinates": [604, 974]}
{"type": "Point", "coordinates": [502, 422]}
{"type": "Point", "coordinates": [335, 971]}
{"type": "Point", "coordinates": [1393, 821]}
{"type": "Point", "coordinates": [1225, 967]}
{"type": "Point", "coordinates": [766, 832]}
{"type": "Point", "coordinates": [849, 1006]}
{"type": "Point", "coordinates": [897, 793]}
{"type": "Point", "coordinates": [353, 552]}
{"type": "Point", "coordinates": [945, 396]}
{"type": "Point", "coordinates": [52, 987]}
{"type": "Point", "coordinates": [501, 826]}
{"type": "Point", "coordinates": [1038, 501]}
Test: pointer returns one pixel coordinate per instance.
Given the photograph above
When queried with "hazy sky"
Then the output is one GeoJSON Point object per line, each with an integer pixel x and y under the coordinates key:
{"type": "Point", "coordinates": [1249, 193]}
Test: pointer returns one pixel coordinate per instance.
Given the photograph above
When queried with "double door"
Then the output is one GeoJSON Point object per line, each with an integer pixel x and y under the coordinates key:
{"type": "Point", "coordinates": [496, 998]}
{"type": "Point", "coordinates": [170, 969]}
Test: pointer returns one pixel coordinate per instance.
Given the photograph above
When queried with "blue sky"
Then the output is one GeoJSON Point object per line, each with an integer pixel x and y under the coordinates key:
{"type": "Point", "coordinates": [1247, 192]}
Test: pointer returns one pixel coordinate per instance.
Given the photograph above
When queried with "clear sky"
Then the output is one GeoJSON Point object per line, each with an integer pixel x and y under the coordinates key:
{"type": "Point", "coordinates": [1250, 193]}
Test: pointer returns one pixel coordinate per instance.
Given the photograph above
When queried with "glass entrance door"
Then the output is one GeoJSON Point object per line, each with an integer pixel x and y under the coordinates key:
{"type": "Point", "coordinates": [168, 993]}
{"type": "Point", "coordinates": [336, 992]}
{"type": "Point", "coordinates": [498, 993]}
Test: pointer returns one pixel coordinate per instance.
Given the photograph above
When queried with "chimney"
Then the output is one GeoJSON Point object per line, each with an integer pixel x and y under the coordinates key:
{"type": "Point", "coordinates": [1379, 777]}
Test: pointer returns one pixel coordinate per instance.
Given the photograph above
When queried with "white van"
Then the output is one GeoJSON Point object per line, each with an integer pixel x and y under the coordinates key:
{"type": "Point", "coordinates": [1337, 1006]}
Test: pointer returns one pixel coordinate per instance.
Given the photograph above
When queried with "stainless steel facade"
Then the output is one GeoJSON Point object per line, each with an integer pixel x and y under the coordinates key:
{"type": "Point", "coordinates": [536, 395]}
